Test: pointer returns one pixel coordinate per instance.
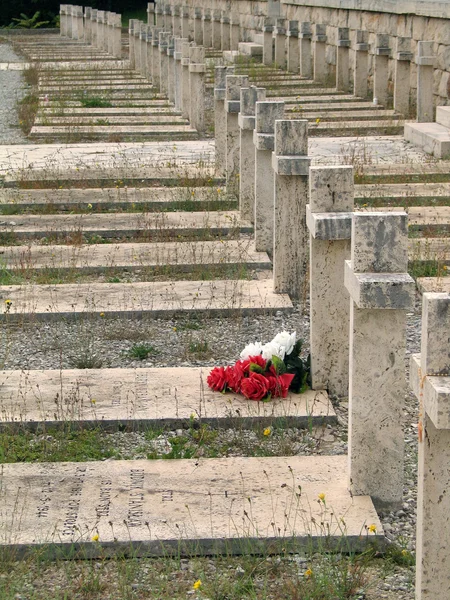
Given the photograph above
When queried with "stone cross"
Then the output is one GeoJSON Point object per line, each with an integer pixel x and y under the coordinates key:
{"type": "Point", "coordinates": [220, 117]}
{"type": "Point", "coordinates": [232, 107]}
{"type": "Point", "coordinates": [131, 51]}
{"type": "Point", "coordinates": [151, 13]}
{"type": "Point", "coordinates": [159, 18]}
{"type": "Point", "coordinates": [185, 23]}
{"type": "Point", "coordinates": [101, 30]}
{"type": "Point", "coordinates": [268, 41]}
{"type": "Point", "coordinates": [197, 71]}
{"type": "Point", "coordinates": [329, 220]}
{"type": "Point", "coordinates": [163, 61]}
{"type": "Point", "coordinates": [382, 53]}
{"type": "Point", "coordinates": [305, 36]}
{"type": "Point", "coordinates": [167, 12]}
{"type": "Point", "coordinates": [342, 60]}
{"type": "Point", "coordinates": [171, 69]}
{"type": "Point", "coordinates": [225, 31]}
{"type": "Point", "coordinates": [178, 72]}
{"type": "Point", "coordinates": [143, 50]}
{"type": "Point", "coordinates": [87, 25]}
{"type": "Point", "coordinates": [402, 75]}
{"type": "Point", "coordinates": [235, 32]}
{"type": "Point", "coordinates": [246, 120]}
{"type": "Point", "coordinates": [185, 90]}
{"type": "Point", "coordinates": [290, 243]}
{"type": "Point", "coordinates": [94, 40]}
{"type": "Point", "coordinates": [430, 381]}
{"type": "Point", "coordinates": [216, 29]}
{"type": "Point", "coordinates": [381, 292]}
{"type": "Point", "coordinates": [198, 26]}
{"type": "Point", "coordinates": [63, 20]}
{"type": "Point", "coordinates": [293, 49]}
{"type": "Point", "coordinates": [176, 21]}
{"type": "Point", "coordinates": [207, 28]}
{"type": "Point", "coordinates": [361, 64]}
{"type": "Point", "coordinates": [320, 70]}
{"type": "Point", "coordinates": [266, 113]}
{"type": "Point", "coordinates": [149, 52]}
{"type": "Point", "coordinates": [425, 80]}
{"type": "Point", "coordinates": [280, 43]}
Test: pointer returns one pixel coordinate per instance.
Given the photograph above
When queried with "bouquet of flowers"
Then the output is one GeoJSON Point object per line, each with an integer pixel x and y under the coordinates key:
{"type": "Point", "coordinates": [265, 371]}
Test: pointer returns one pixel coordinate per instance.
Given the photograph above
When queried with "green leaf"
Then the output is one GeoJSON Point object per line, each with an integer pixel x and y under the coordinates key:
{"type": "Point", "coordinates": [279, 365]}
{"type": "Point", "coordinates": [256, 368]}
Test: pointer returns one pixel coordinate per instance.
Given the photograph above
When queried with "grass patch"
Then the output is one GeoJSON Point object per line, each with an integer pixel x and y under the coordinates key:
{"type": "Point", "coordinates": [95, 102]}
{"type": "Point", "coordinates": [141, 351]}
{"type": "Point", "coordinates": [27, 109]}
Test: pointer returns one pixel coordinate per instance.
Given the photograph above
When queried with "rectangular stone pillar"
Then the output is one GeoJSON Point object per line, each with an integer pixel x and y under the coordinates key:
{"type": "Point", "coordinates": [320, 74]}
{"type": "Point", "coordinates": [117, 37]}
{"type": "Point", "coordinates": [235, 32]}
{"type": "Point", "coordinates": [207, 28]}
{"type": "Point", "coordinates": [171, 69]}
{"type": "Point", "coordinates": [306, 68]}
{"type": "Point", "coordinates": [163, 61]}
{"type": "Point", "coordinates": [131, 48]}
{"type": "Point", "coordinates": [159, 18]}
{"type": "Point", "coordinates": [176, 21]}
{"type": "Point", "coordinates": [178, 71]}
{"type": "Point", "coordinates": [225, 31]}
{"type": "Point", "coordinates": [220, 117]}
{"type": "Point", "coordinates": [266, 113]}
{"type": "Point", "coordinates": [137, 45]}
{"type": "Point", "coordinates": [216, 29]}
{"type": "Point", "coordinates": [167, 13]}
{"type": "Point", "coordinates": [151, 14]}
{"type": "Point", "coordinates": [185, 23]}
{"type": "Point", "coordinates": [185, 91]}
{"type": "Point", "coordinates": [293, 49]}
{"type": "Point", "coordinates": [87, 25]}
{"type": "Point", "coordinates": [402, 76]}
{"type": "Point", "coordinates": [156, 65]}
{"type": "Point", "coordinates": [280, 43]}
{"type": "Point", "coordinates": [246, 120]}
{"type": "Point", "coordinates": [143, 50]}
{"type": "Point", "coordinates": [430, 381]}
{"type": "Point", "coordinates": [63, 20]}
{"type": "Point", "coordinates": [329, 220]}
{"type": "Point", "coordinates": [290, 243]}
{"type": "Point", "coordinates": [94, 41]}
{"type": "Point", "coordinates": [268, 42]}
{"type": "Point", "coordinates": [361, 64]}
{"type": "Point", "coordinates": [198, 26]}
{"type": "Point", "coordinates": [381, 70]}
{"type": "Point", "coordinates": [233, 84]}
{"type": "Point", "coordinates": [342, 60]}
{"type": "Point", "coordinates": [101, 30]}
{"type": "Point", "coordinates": [197, 73]}
{"type": "Point", "coordinates": [425, 80]}
{"type": "Point", "coordinates": [149, 53]}
{"type": "Point", "coordinates": [381, 292]}
{"type": "Point", "coordinates": [74, 21]}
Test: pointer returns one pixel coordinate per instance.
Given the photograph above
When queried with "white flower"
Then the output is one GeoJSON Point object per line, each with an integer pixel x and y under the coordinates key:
{"type": "Point", "coordinates": [272, 349]}
{"type": "Point", "coordinates": [251, 350]}
{"type": "Point", "coordinates": [286, 340]}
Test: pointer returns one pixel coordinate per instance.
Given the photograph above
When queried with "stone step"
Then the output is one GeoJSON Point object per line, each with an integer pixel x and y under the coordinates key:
{"type": "Point", "coordinates": [326, 116]}
{"type": "Point", "coordinates": [109, 111]}
{"type": "Point", "coordinates": [106, 131]}
{"type": "Point", "coordinates": [94, 258]}
{"type": "Point", "coordinates": [130, 103]}
{"type": "Point", "coordinates": [149, 225]}
{"type": "Point", "coordinates": [430, 249]}
{"type": "Point", "coordinates": [210, 196]}
{"type": "Point", "coordinates": [104, 86]}
{"type": "Point", "coordinates": [433, 138]}
{"type": "Point", "coordinates": [402, 190]}
{"type": "Point", "coordinates": [375, 127]}
{"type": "Point", "coordinates": [433, 284]}
{"type": "Point", "coordinates": [142, 398]}
{"type": "Point", "coordinates": [418, 216]}
{"type": "Point", "coordinates": [332, 104]}
{"type": "Point", "coordinates": [443, 116]}
{"type": "Point", "coordinates": [160, 299]}
{"type": "Point", "coordinates": [419, 171]}
{"type": "Point", "coordinates": [183, 507]}
{"type": "Point", "coordinates": [106, 121]}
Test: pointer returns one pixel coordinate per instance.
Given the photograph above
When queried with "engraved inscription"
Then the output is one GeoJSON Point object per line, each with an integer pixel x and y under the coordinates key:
{"type": "Point", "coordinates": [167, 496]}
{"type": "Point", "coordinates": [141, 388]}
{"type": "Point", "coordinates": [116, 395]}
{"type": "Point", "coordinates": [73, 505]}
{"type": "Point", "coordinates": [44, 500]}
{"type": "Point", "coordinates": [102, 508]}
{"type": "Point", "coordinates": [136, 499]}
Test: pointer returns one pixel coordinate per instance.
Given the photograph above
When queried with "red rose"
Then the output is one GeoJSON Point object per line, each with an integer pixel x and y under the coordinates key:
{"type": "Point", "coordinates": [235, 375]}
{"type": "Point", "coordinates": [217, 379]}
{"type": "Point", "coordinates": [255, 386]}
{"type": "Point", "coordinates": [255, 360]}
{"type": "Point", "coordinates": [279, 384]}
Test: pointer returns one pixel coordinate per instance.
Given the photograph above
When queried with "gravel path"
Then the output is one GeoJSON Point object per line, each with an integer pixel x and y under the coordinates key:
{"type": "Point", "coordinates": [12, 89]}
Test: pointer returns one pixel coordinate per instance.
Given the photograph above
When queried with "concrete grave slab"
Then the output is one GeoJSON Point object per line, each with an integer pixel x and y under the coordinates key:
{"type": "Point", "coordinates": [182, 507]}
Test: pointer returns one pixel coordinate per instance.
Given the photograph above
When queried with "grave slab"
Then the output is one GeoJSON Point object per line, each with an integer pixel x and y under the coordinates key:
{"type": "Point", "coordinates": [182, 507]}
{"type": "Point", "coordinates": [143, 397]}
{"type": "Point", "coordinates": [165, 298]}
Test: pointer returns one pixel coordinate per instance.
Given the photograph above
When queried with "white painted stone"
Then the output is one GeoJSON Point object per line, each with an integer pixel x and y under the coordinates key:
{"type": "Point", "coordinates": [402, 76]}
{"type": "Point", "coordinates": [425, 67]}
{"type": "Point", "coordinates": [343, 60]}
{"type": "Point", "coordinates": [197, 70]}
{"type": "Point", "coordinates": [320, 68]}
{"type": "Point", "coordinates": [305, 36]}
{"type": "Point", "coordinates": [361, 64]}
{"type": "Point", "coordinates": [381, 69]}
{"type": "Point", "coordinates": [154, 507]}
{"type": "Point", "coordinates": [331, 194]}
{"type": "Point", "coordinates": [280, 43]}
{"type": "Point", "coordinates": [234, 83]}
{"type": "Point", "coordinates": [293, 48]}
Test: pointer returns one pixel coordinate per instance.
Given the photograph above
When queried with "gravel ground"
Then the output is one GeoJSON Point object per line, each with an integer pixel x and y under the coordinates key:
{"type": "Point", "coordinates": [12, 89]}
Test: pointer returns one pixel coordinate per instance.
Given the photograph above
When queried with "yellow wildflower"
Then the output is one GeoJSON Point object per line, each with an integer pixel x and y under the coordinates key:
{"type": "Point", "coordinates": [89, 206]}
{"type": "Point", "coordinates": [404, 552]}
{"type": "Point", "coordinates": [93, 401]}
{"type": "Point", "coordinates": [197, 584]}
{"type": "Point", "coordinates": [308, 573]}
{"type": "Point", "coordinates": [95, 538]}
{"type": "Point", "coordinates": [8, 302]}
{"type": "Point", "coordinates": [317, 121]}
{"type": "Point", "coordinates": [372, 528]}
{"type": "Point", "coordinates": [321, 497]}
{"type": "Point", "coordinates": [102, 314]}
{"type": "Point", "coordinates": [267, 431]}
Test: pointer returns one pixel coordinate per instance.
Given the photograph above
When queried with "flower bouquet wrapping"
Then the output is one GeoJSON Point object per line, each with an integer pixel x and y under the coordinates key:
{"type": "Point", "coordinates": [265, 371]}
